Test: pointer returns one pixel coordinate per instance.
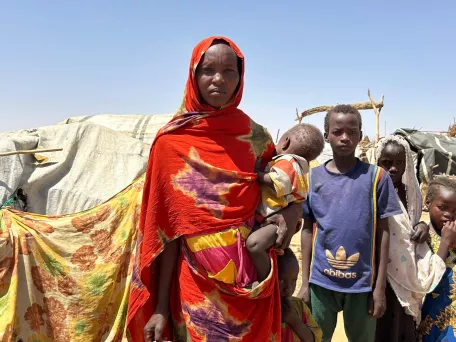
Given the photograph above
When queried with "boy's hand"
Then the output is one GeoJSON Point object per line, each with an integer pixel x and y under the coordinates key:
{"type": "Point", "coordinates": [304, 294]}
{"type": "Point", "coordinates": [289, 314]}
{"type": "Point", "coordinates": [449, 234]}
{"type": "Point", "coordinates": [420, 232]}
{"type": "Point", "coordinates": [377, 304]}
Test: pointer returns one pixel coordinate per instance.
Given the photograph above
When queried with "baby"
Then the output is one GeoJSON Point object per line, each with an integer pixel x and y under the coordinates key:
{"type": "Point", "coordinates": [297, 321]}
{"type": "Point", "coordinates": [283, 182]}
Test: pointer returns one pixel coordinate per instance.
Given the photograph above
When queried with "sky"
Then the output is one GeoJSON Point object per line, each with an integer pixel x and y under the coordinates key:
{"type": "Point", "coordinates": [68, 58]}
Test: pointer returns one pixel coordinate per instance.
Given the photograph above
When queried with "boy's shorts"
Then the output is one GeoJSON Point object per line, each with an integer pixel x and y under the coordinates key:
{"type": "Point", "coordinates": [326, 304]}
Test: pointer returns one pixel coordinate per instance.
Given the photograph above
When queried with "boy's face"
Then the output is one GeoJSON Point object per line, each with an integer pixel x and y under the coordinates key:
{"type": "Point", "coordinates": [443, 208]}
{"type": "Point", "coordinates": [288, 276]}
{"type": "Point", "coordinates": [344, 134]}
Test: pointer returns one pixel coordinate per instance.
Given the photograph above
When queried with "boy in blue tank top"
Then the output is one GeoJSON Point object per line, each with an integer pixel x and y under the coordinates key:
{"type": "Point", "coordinates": [345, 237]}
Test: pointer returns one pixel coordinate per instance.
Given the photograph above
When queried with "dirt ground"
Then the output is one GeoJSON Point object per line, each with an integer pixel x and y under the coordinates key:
{"type": "Point", "coordinates": [339, 334]}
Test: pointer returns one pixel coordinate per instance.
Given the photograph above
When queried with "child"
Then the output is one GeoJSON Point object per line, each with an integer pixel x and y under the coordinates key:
{"type": "Point", "coordinates": [438, 312]}
{"type": "Point", "coordinates": [298, 323]}
{"type": "Point", "coordinates": [283, 182]}
{"type": "Point", "coordinates": [413, 270]}
{"type": "Point", "coordinates": [345, 259]}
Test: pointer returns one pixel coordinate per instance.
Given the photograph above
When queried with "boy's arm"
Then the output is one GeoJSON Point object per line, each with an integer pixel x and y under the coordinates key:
{"type": "Point", "coordinates": [306, 254]}
{"type": "Point", "coordinates": [382, 253]}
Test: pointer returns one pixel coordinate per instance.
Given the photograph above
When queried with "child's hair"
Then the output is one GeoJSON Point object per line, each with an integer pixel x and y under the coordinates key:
{"type": "Point", "coordinates": [437, 183]}
{"type": "Point", "coordinates": [310, 138]}
{"type": "Point", "coordinates": [287, 259]}
{"type": "Point", "coordinates": [344, 109]}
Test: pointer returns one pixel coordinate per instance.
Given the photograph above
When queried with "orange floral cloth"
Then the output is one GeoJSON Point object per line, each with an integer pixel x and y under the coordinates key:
{"type": "Point", "coordinates": [200, 180]}
{"type": "Point", "coordinates": [68, 278]}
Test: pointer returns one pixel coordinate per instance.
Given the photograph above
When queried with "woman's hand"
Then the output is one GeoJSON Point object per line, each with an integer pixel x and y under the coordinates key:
{"type": "Point", "coordinates": [153, 331]}
{"type": "Point", "coordinates": [287, 221]}
{"type": "Point", "coordinates": [420, 232]}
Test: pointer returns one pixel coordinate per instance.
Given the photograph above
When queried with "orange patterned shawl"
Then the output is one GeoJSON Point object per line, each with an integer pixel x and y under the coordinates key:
{"type": "Point", "coordinates": [200, 180]}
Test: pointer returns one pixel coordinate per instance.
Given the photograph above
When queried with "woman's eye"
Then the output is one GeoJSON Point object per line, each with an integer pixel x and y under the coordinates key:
{"type": "Point", "coordinates": [208, 70]}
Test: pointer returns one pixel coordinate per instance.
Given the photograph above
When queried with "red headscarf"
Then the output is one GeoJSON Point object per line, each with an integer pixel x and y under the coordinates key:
{"type": "Point", "coordinates": [200, 179]}
{"type": "Point", "coordinates": [192, 101]}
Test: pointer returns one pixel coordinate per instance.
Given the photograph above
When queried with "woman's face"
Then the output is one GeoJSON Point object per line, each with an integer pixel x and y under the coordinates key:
{"type": "Point", "coordinates": [392, 160]}
{"type": "Point", "coordinates": [217, 75]}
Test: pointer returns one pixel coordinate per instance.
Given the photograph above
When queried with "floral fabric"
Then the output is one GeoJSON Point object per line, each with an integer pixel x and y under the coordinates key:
{"type": "Point", "coordinates": [68, 278]}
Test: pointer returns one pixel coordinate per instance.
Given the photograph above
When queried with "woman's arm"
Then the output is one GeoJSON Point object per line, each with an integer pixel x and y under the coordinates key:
{"type": "Point", "coordinates": [166, 264]}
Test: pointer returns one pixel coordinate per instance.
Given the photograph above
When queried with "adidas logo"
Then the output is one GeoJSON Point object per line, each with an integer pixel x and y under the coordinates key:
{"type": "Point", "coordinates": [340, 261]}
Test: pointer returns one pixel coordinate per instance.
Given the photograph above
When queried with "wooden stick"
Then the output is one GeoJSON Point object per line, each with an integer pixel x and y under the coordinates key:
{"type": "Point", "coordinates": [4, 154]}
{"type": "Point", "coordinates": [377, 117]}
{"type": "Point", "coordinates": [358, 106]}
{"type": "Point", "coordinates": [277, 137]}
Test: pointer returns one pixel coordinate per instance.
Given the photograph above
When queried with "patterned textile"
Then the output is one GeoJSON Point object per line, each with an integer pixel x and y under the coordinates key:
{"type": "Point", "coordinates": [413, 270]}
{"type": "Point", "coordinates": [439, 308]}
{"type": "Point", "coordinates": [200, 180]}
{"type": "Point", "coordinates": [288, 335]}
{"type": "Point", "coordinates": [68, 278]}
{"type": "Point", "coordinates": [287, 172]}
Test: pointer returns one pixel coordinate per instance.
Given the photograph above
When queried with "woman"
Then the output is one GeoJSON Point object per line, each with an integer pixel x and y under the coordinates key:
{"type": "Point", "coordinates": [413, 270]}
{"type": "Point", "coordinates": [199, 200]}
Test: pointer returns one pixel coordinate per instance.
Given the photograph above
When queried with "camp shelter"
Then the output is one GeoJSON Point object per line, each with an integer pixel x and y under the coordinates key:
{"type": "Point", "coordinates": [101, 155]}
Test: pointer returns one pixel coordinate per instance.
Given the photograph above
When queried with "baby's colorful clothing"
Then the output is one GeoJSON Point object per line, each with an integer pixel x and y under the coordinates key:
{"type": "Point", "coordinates": [439, 309]}
{"type": "Point", "coordinates": [288, 335]}
{"type": "Point", "coordinates": [287, 172]}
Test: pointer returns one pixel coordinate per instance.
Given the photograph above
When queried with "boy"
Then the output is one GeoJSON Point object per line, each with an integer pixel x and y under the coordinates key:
{"type": "Point", "coordinates": [283, 182]}
{"type": "Point", "coordinates": [298, 323]}
{"type": "Point", "coordinates": [346, 259]}
{"type": "Point", "coordinates": [438, 312]}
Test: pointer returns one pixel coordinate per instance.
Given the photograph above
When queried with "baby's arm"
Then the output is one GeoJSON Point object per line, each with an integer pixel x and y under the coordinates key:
{"type": "Point", "coordinates": [258, 244]}
{"type": "Point", "coordinates": [264, 179]}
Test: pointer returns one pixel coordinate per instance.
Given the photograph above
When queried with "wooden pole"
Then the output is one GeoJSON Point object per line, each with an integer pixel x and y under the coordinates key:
{"type": "Point", "coordinates": [377, 116]}
{"type": "Point", "coordinates": [358, 106]}
{"type": "Point", "coordinates": [11, 153]}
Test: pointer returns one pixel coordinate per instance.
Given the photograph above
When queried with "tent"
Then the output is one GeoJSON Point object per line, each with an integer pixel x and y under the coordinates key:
{"type": "Point", "coordinates": [101, 155]}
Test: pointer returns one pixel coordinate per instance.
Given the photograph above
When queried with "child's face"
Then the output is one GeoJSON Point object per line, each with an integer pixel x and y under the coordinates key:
{"type": "Point", "coordinates": [344, 134]}
{"type": "Point", "coordinates": [443, 207]}
{"type": "Point", "coordinates": [287, 280]}
{"type": "Point", "coordinates": [392, 160]}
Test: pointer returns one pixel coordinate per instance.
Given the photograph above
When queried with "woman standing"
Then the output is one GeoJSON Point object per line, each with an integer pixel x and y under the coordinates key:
{"type": "Point", "coordinates": [200, 198]}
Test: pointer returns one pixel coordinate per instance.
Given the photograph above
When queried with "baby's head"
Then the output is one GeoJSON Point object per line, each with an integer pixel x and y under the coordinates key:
{"type": "Point", "coordinates": [441, 201]}
{"type": "Point", "coordinates": [303, 140]}
{"type": "Point", "coordinates": [288, 267]}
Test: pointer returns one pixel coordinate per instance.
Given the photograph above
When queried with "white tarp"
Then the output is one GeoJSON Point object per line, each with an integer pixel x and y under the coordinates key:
{"type": "Point", "coordinates": [141, 127]}
{"type": "Point", "coordinates": [96, 163]}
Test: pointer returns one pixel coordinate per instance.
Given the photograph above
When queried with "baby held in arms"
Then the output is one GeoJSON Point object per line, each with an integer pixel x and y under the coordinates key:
{"type": "Point", "coordinates": [283, 182]}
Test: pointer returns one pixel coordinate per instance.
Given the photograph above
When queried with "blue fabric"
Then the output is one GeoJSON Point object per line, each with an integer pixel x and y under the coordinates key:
{"type": "Point", "coordinates": [438, 306]}
{"type": "Point", "coordinates": [342, 207]}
